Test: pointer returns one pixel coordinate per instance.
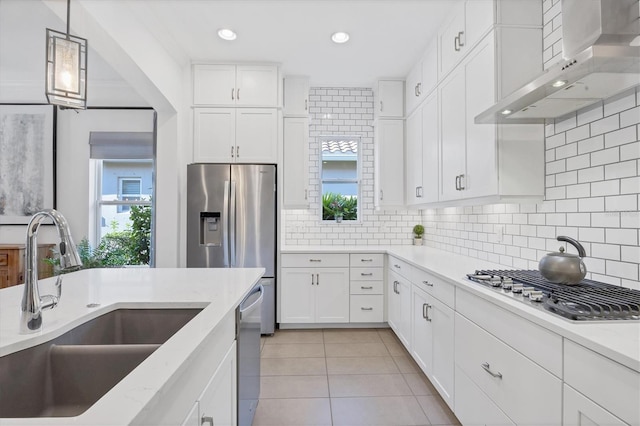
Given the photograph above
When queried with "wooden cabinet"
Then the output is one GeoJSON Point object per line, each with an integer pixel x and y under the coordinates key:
{"type": "Point", "coordinates": [235, 135]}
{"type": "Point", "coordinates": [389, 158]}
{"type": "Point", "coordinates": [366, 287]}
{"type": "Point", "coordinates": [390, 99]}
{"type": "Point", "coordinates": [318, 294]}
{"type": "Point", "coordinates": [218, 402]}
{"type": "Point", "coordinates": [296, 96]}
{"type": "Point", "coordinates": [422, 154]}
{"type": "Point", "coordinates": [422, 78]}
{"type": "Point", "coordinates": [296, 162]}
{"type": "Point", "coordinates": [235, 85]}
{"type": "Point", "coordinates": [12, 263]}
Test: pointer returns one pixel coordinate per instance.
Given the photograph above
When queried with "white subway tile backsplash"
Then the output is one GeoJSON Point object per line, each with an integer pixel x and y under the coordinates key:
{"type": "Point", "coordinates": [605, 251]}
{"type": "Point", "coordinates": [592, 235]}
{"type": "Point", "coordinates": [565, 151]}
{"type": "Point", "coordinates": [622, 236]}
{"type": "Point", "coordinates": [620, 103]}
{"type": "Point", "coordinates": [630, 185]}
{"type": "Point", "coordinates": [579, 219]}
{"type": "Point", "coordinates": [630, 117]}
{"type": "Point", "coordinates": [557, 219]}
{"type": "Point", "coordinates": [591, 174]}
{"type": "Point", "coordinates": [622, 270]}
{"type": "Point", "coordinates": [621, 170]}
{"type": "Point", "coordinates": [578, 162]}
{"type": "Point", "coordinates": [595, 143]}
{"type": "Point", "coordinates": [630, 151]}
{"type": "Point", "coordinates": [605, 220]}
{"type": "Point", "coordinates": [607, 156]}
{"type": "Point", "coordinates": [565, 124]}
{"type": "Point", "coordinates": [590, 114]}
{"type": "Point", "coordinates": [555, 141]}
{"type": "Point", "coordinates": [591, 204]}
{"type": "Point", "coordinates": [605, 187]}
{"type": "Point", "coordinates": [621, 137]}
{"type": "Point", "coordinates": [630, 254]}
{"type": "Point", "coordinates": [621, 203]}
{"type": "Point", "coordinates": [579, 191]}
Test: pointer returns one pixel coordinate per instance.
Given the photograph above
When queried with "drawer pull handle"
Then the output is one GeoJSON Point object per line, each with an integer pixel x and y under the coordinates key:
{"type": "Point", "coordinates": [395, 287]}
{"type": "Point", "coordinates": [366, 287]}
{"type": "Point", "coordinates": [366, 260]}
{"type": "Point", "coordinates": [487, 368]}
{"type": "Point", "coordinates": [396, 266]}
{"type": "Point", "coordinates": [425, 311]}
{"type": "Point", "coordinates": [427, 283]}
{"type": "Point", "coordinates": [315, 260]}
{"type": "Point", "coordinates": [206, 419]}
{"type": "Point", "coordinates": [367, 309]}
{"type": "Point", "coordinates": [367, 274]}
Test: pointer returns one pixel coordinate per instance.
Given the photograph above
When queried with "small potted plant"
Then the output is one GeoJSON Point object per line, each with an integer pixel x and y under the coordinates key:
{"type": "Point", "coordinates": [336, 206]}
{"type": "Point", "coordinates": [418, 230]}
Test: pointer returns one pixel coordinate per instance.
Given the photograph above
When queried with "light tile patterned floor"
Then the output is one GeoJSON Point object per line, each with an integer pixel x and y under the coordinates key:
{"type": "Point", "coordinates": [344, 377]}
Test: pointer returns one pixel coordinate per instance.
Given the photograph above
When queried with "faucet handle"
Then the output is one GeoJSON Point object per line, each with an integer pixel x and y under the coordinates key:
{"type": "Point", "coordinates": [49, 301]}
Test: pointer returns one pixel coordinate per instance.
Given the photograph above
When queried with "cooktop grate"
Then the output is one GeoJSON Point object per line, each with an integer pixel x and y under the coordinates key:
{"type": "Point", "coordinates": [588, 300]}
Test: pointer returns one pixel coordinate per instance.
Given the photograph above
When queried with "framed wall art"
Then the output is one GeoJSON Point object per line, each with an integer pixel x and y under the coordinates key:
{"type": "Point", "coordinates": [27, 161]}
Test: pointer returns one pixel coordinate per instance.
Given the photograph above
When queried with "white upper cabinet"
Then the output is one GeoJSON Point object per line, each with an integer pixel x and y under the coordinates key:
{"type": "Point", "coordinates": [296, 96]}
{"type": "Point", "coordinates": [296, 163]}
{"type": "Point", "coordinates": [390, 99]}
{"type": "Point", "coordinates": [235, 85]}
{"type": "Point", "coordinates": [389, 157]}
{"type": "Point", "coordinates": [422, 79]}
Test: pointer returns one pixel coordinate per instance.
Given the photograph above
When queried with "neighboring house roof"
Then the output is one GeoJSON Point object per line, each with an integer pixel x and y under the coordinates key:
{"type": "Point", "coordinates": [342, 146]}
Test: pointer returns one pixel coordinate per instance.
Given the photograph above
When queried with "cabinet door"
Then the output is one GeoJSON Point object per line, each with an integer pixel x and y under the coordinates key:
{"type": "Point", "coordinates": [479, 19]}
{"type": "Point", "coordinates": [442, 324]}
{"type": "Point", "coordinates": [390, 99]}
{"type": "Point", "coordinates": [256, 85]}
{"type": "Point", "coordinates": [218, 402]}
{"type": "Point", "coordinates": [474, 407]}
{"type": "Point", "coordinates": [578, 410]}
{"type": "Point", "coordinates": [481, 176]}
{"type": "Point", "coordinates": [422, 332]}
{"type": "Point", "coordinates": [452, 40]}
{"type": "Point", "coordinates": [214, 85]}
{"type": "Point", "coordinates": [452, 134]}
{"type": "Point", "coordinates": [296, 96]}
{"type": "Point", "coordinates": [296, 163]}
{"type": "Point", "coordinates": [332, 295]}
{"type": "Point", "coordinates": [297, 295]}
{"type": "Point", "coordinates": [393, 301]}
{"type": "Point", "coordinates": [429, 68]}
{"type": "Point", "coordinates": [256, 135]}
{"type": "Point", "coordinates": [214, 135]}
{"type": "Point", "coordinates": [413, 158]}
{"type": "Point", "coordinates": [404, 326]}
{"type": "Point", "coordinates": [389, 156]}
{"type": "Point", "coordinates": [411, 95]}
{"type": "Point", "coordinates": [430, 150]}
{"type": "Point", "coordinates": [192, 419]}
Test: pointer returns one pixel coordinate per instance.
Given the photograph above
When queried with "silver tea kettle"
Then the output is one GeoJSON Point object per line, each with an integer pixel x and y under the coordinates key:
{"type": "Point", "coordinates": [564, 268]}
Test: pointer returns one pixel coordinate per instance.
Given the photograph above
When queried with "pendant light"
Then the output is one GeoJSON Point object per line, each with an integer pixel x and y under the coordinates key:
{"type": "Point", "coordinates": [66, 83]}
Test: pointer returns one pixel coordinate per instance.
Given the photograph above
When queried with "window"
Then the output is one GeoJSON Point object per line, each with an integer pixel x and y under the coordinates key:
{"type": "Point", "coordinates": [123, 168]}
{"type": "Point", "coordinates": [340, 177]}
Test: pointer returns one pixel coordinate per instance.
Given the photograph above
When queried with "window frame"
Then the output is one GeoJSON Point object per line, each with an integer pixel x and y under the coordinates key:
{"type": "Point", "coordinates": [130, 197]}
{"type": "Point", "coordinates": [357, 180]}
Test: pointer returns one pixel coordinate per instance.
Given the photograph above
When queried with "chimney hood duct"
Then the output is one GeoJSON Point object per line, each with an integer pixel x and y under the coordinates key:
{"type": "Point", "coordinates": [601, 51]}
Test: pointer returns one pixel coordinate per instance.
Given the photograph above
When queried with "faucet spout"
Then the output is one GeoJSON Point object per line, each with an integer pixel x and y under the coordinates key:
{"type": "Point", "coordinates": [32, 303]}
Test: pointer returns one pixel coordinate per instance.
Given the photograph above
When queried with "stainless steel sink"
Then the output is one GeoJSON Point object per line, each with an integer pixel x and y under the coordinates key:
{"type": "Point", "coordinates": [67, 375]}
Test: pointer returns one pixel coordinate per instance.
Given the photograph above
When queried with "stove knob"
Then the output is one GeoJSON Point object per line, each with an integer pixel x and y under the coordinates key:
{"type": "Point", "coordinates": [507, 284]}
{"type": "Point", "coordinates": [516, 288]}
{"type": "Point", "coordinates": [527, 290]}
{"type": "Point", "coordinates": [496, 282]}
{"type": "Point", "coordinates": [535, 296]}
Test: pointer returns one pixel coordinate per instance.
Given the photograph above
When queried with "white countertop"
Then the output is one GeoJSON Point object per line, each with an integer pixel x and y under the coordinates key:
{"type": "Point", "coordinates": [218, 291]}
{"type": "Point", "coordinates": [618, 340]}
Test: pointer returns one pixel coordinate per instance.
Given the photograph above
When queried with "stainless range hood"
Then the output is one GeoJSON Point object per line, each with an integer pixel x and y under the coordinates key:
{"type": "Point", "coordinates": [601, 47]}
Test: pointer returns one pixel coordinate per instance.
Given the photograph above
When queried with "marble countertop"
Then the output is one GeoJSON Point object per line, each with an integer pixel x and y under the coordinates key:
{"type": "Point", "coordinates": [617, 340]}
{"type": "Point", "coordinates": [218, 291]}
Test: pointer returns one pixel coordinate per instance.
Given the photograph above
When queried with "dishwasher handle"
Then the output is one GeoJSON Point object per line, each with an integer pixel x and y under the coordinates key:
{"type": "Point", "coordinates": [245, 310]}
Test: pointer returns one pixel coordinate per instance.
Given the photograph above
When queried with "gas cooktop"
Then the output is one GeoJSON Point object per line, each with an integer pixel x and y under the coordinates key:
{"type": "Point", "coordinates": [586, 301]}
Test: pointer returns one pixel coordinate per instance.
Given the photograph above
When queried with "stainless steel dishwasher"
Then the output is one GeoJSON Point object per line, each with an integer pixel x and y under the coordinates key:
{"type": "Point", "coordinates": [249, 320]}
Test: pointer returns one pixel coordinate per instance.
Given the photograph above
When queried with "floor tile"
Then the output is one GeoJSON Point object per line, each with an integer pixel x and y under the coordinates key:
{"type": "Point", "coordinates": [293, 366]}
{"type": "Point", "coordinates": [437, 410]}
{"type": "Point", "coordinates": [384, 411]}
{"type": "Point", "coordinates": [419, 384]}
{"type": "Point", "coordinates": [290, 412]}
{"type": "Point", "coordinates": [293, 350]}
{"type": "Point", "coordinates": [406, 364]}
{"type": "Point", "coordinates": [293, 387]}
{"type": "Point", "coordinates": [351, 336]}
{"type": "Point", "coordinates": [368, 385]}
{"type": "Point", "coordinates": [387, 335]}
{"type": "Point", "coordinates": [295, 336]}
{"type": "Point", "coordinates": [355, 349]}
{"type": "Point", "coordinates": [362, 365]}
{"type": "Point", "coordinates": [395, 348]}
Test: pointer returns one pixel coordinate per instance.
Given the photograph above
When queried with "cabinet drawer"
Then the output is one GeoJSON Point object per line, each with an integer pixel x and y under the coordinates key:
{"type": "Point", "coordinates": [616, 388]}
{"type": "Point", "coordinates": [367, 308]}
{"type": "Point", "coordinates": [366, 274]}
{"type": "Point", "coordinates": [367, 260]}
{"type": "Point", "coordinates": [316, 260]}
{"type": "Point", "coordinates": [367, 287]}
{"type": "Point", "coordinates": [436, 287]}
{"type": "Point", "coordinates": [400, 267]}
{"type": "Point", "coordinates": [4, 259]}
{"type": "Point", "coordinates": [539, 344]}
{"type": "Point", "coordinates": [473, 407]}
{"type": "Point", "coordinates": [526, 392]}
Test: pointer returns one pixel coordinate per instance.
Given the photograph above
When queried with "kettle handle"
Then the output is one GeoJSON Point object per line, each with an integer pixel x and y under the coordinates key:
{"type": "Point", "coordinates": [576, 244]}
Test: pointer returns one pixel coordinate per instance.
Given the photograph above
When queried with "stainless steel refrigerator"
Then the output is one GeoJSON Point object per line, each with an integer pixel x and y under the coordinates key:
{"type": "Point", "coordinates": [231, 222]}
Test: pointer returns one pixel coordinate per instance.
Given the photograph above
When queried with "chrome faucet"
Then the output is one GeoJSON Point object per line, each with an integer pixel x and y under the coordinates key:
{"type": "Point", "coordinates": [32, 302]}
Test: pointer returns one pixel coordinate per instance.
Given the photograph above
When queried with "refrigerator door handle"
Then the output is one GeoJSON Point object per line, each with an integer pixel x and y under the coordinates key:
{"type": "Point", "coordinates": [225, 225]}
{"type": "Point", "coordinates": [232, 225]}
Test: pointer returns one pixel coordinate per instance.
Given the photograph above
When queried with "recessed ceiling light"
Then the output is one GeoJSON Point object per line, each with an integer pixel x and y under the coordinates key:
{"type": "Point", "coordinates": [227, 34]}
{"type": "Point", "coordinates": [506, 112]}
{"type": "Point", "coordinates": [340, 37]}
{"type": "Point", "coordinates": [559, 83]}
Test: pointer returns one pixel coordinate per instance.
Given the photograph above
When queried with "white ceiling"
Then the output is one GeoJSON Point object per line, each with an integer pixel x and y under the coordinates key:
{"type": "Point", "coordinates": [387, 36]}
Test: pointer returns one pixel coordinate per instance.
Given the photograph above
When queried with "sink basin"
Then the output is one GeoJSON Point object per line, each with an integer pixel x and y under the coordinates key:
{"type": "Point", "coordinates": [67, 375]}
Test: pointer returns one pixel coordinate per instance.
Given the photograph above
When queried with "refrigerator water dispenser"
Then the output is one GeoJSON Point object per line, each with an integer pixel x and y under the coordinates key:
{"type": "Point", "coordinates": [210, 229]}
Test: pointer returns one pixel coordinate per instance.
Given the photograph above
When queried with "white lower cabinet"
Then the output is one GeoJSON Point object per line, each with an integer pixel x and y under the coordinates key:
{"type": "Point", "coordinates": [473, 407]}
{"type": "Point", "coordinates": [314, 295]}
{"type": "Point", "coordinates": [217, 405]}
{"type": "Point", "coordinates": [399, 306]}
{"type": "Point", "coordinates": [581, 411]}
{"type": "Point", "coordinates": [366, 287]}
